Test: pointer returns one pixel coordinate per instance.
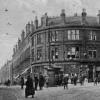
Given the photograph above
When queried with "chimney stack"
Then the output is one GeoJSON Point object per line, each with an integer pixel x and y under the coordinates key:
{"type": "Point", "coordinates": [63, 15]}
{"type": "Point", "coordinates": [28, 28]}
{"type": "Point", "coordinates": [23, 35]}
{"type": "Point", "coordinates": [36, 23]}
{"type": "Point", "coordinates": [98, 16]}
{"type": "Point", "coordinates": [44, 20]}
{"type": "Point", "coordinates": [84, 14]}
{"type": "Point", "coordinates": [32, 27]}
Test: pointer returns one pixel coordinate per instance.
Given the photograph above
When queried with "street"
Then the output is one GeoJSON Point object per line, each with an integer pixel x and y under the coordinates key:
{"type": "Point", "coordinates": [6, 94]}
{"type": "Point", "coordinates": [86, 92]}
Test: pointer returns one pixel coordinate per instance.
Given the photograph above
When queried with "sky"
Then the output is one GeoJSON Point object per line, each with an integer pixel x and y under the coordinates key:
{"type": "Point", "coordinates": [13, 21]}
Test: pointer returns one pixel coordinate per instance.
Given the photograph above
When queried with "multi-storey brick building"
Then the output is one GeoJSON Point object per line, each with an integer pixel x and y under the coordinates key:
{"type": "Point", "coordinates": [66, 44]}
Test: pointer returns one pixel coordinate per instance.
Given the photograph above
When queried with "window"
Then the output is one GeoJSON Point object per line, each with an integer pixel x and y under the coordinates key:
{"type": "Point", "coordinates": [32, 54]}
{"type": "Point", "coordinates": [39, 53]}
{"type": "Point", "coordinates": [69, 35]}
{"type": "Point", "coordinates": [73, 34]}
{"type": "Point", "coordinates": [77, 34]}
{"type": "Point", "coordinates": [73, 52]}
{"type": "Point", "coordinates": [92, 53]}
{"type": "Point", "coordinates": [39, 38]}
{"type": "Point", "coordinates": [54, 53]}
{"type": "Point", "coordinates": [92, 35]}
{"type": "Point", "coordinates": [33, 41]}
{"type": "Point", "coordinates": [54, 36]}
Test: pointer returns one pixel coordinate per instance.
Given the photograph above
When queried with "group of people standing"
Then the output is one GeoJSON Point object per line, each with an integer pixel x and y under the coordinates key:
{"type": "Point", "coordinates": [32, 84]}
{"type": "Point", "coordinates": [39, 81]}
{"type": "Point", "coordinates": [74, 79]}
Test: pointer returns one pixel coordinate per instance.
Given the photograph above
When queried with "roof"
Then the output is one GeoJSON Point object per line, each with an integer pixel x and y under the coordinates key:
{"type": "Point", "coordinates": [73, 20]}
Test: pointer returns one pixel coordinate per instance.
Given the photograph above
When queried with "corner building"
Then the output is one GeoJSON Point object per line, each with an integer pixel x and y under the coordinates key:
{"type": "Point", "coordinates": [66, 45]}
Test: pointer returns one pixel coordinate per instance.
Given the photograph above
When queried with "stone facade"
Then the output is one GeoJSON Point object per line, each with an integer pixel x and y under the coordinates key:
{"type": "Point", "coordinates": [67, 44]}
{"type": "Point", "coordinates": [59, 45]}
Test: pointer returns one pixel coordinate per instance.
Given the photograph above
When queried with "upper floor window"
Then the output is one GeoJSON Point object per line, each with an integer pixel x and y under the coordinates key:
{"type": "Point", "coordinates": [54, 36]}
{"type": "Point", "coordinates": [33, 41]}
{"type": "Point", "coordinates": [32, 54]}
{"type": "Point", "coordinates": [73, 34]}
{"type": "Point", "coordinates": [39, 38]}
{"type": "Point", "coordinates": [92, 35]}
{"type": "Point", "coordinates": [54, 53]}
{"type": "Point", "coordinates": [39, 53]}
{"type": "Point", "coordinates": [92, 53]}
{"type": "Point", "coordinates": [73, 52]}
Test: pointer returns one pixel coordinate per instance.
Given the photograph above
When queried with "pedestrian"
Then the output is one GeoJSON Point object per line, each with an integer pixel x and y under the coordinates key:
{"type": "Point", "coordinates": [47, 81]}
{"type": "Point", "coordinates": [95, 80]}
{"type": "Point", "coordinates": [98, 78]}
{"type": "Point", "coordinates": [81, 80]}
{"type": "Point", "coordinates": [29, 90]}
{"type": "Point", "coordinates": [75, 79]}
{"type": "Point", "coordinates": [22, 82]}
{"type": "Point", "coordinates": [65, 81]}
{"type": "Point", "coordinates": [41, 81]}
{"type": "Point", "coordinates": [36, 81]}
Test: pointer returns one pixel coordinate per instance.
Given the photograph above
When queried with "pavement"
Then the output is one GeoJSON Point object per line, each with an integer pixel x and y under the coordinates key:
{"type": "Point", "coordinates": [86, 92]}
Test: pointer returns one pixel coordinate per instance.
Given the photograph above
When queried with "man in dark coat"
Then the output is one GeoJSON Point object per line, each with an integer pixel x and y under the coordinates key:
{"type": "Point", "coordinates": [36, 81]}
{"type": "Point", "coordinates": [41, 81]}
{"type": "Point", "coordinates": [29, 87]}
{"type": "Point", "coordinates": [22, 82]}
{"type": "Point", "coordinates": [65, 81]}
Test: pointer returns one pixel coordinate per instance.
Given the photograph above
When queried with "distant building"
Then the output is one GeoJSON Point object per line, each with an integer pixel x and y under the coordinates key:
{"type": "Point", "coordinates": [5, 72]}
{"type": "Point", "coordinates": [66, 44]}
{"type": "Point", "coordinates": [21, 52]}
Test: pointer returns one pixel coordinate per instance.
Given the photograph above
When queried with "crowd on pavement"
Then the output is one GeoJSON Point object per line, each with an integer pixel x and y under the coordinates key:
{"type": "Point", "coordinates": [39, 81]}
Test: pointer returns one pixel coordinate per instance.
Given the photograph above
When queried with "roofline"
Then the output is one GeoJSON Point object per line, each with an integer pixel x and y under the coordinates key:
{"type": "Point", "coordinates": [96, 27]}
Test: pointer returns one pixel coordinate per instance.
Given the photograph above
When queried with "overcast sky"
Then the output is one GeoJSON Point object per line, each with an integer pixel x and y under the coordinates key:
{"type": "Point", "coordinates": [13, 21]}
